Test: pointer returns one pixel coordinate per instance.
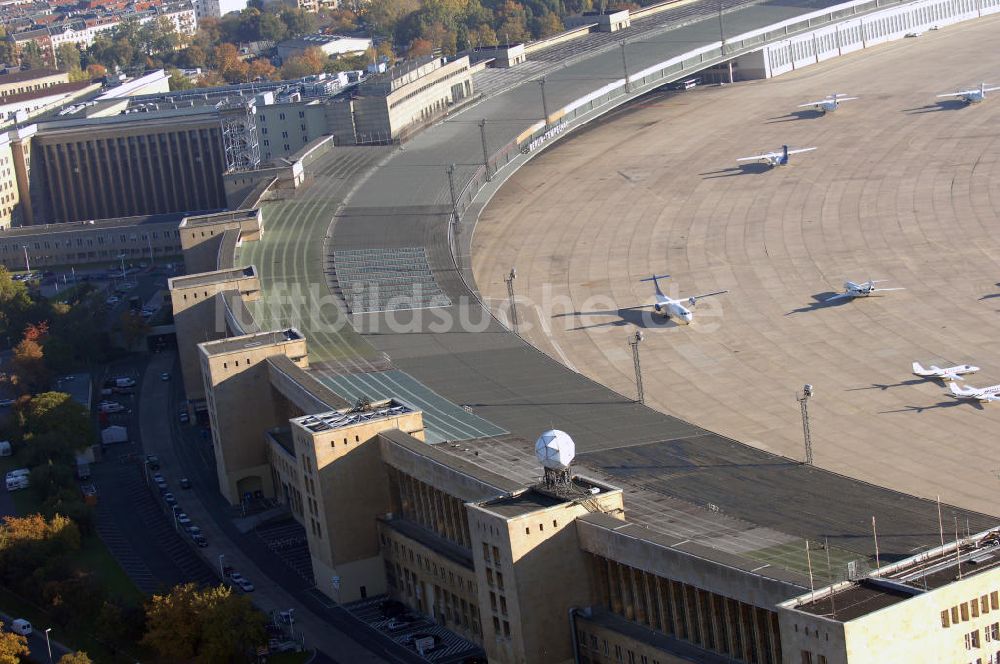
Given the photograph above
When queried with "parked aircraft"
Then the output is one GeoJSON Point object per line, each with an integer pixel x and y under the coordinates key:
{"type": "Point", "coordinates": [680, 309]}
{"type": "Point", "coordinates": [776, 158]}
{"type": "Point", "coordinates": [987, 394]}
{"type": "Point", "coordinates": [866, 289]}
{"type": "Point", "coordinates": [949, 373]}
{"type": "Point", "coordinates": [828, 105]}
{"type": "Point", "coordinates": [973, 96]}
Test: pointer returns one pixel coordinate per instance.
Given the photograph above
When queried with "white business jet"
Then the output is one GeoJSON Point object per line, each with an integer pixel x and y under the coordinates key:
{"type": "Point", "coordinates": [973, 96]}
{"type": "Point", "coordinates": [828, 105]}
{"type": "Point", "coordinates": [986, 394]}
{"type": "Point", "coordinates": [680, 309]}
{"type": "Point", "coordinates": [948, 373]}
{"type": "Point", "coordinates": [866, 289]}
{"type": "Point", "coordinates": [776, 158]}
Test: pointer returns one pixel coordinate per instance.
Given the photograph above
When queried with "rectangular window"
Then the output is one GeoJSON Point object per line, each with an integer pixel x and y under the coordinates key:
{"type": "Point", "coordinates": [807, 657]}
{"type": "Point", "coordinates": [944, 618]}
{"type": "Point", "coordinates": [963, 608]}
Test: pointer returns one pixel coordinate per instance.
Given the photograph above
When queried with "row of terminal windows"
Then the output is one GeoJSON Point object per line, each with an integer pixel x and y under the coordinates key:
{"type": "Point", "coordinates": [971, 609]}
{"type": "Point", "coordinates": [541, 527]}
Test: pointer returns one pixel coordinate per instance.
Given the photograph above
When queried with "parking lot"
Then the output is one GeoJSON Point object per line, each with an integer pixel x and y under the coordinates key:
{"type": "Point", "coordinates": [410, 630]}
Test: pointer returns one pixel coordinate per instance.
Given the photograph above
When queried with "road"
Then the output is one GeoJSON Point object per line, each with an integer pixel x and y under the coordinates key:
{"type": "Point", "coordinates": [184, 452]}
{"type": "Point", "coordinates": [37, 644]}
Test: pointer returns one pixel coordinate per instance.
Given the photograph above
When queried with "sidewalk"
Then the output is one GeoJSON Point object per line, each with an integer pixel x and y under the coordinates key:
{"type": "Point", "coordinates": [162, 436]}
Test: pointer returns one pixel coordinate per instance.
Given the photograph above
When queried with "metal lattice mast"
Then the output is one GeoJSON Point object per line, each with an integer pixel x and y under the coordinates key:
{"type": "Point", "coordinates": [238, 118]}
{"type": "Point", "coordinates": [807, 392]}
{"type": "Point", "coordinates": [633, 341]}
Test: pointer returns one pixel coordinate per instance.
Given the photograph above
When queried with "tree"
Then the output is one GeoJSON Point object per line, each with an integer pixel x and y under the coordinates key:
{"type": "Point", "coordinates": [55, 421]}
{"type": "Point", "coordinates": [483, 36]}
{"type": "Point", "coordinates": [6, 47]}
{"type": "Point", "coordinates": [178, 81]}
{"type": "Point", "coordinates": [15, 303]}
{"type": "Point", "coordinates": [134, 328]}
{"type": "Point", "coordinates": [271, 27]}
{"type": "Point", "coordinates": [31, 56]}
{"type": "Point", "coordinates": [211, 625]}
{"type": "Point", "coordinates": [68, 57]}
{"type": "Point", "coordinates": [513, 19]}
{"type": "Point", "coordinates": [12, 647]}
{"type": "Point", "coordinates": [312, 61]}
{"type": "Point", "coordinates": [298, 21]}
{"type": "Point", "coordinates": [262, 69]}
{"type": "Point", "coordinates": [548, 25]}
{"type": "Point", "coordinates": [419, 48]}
{"type": "Point", "coordinates": [95, 70]}
{"type": "Point", "coordinates": [28, 364]}
{"type": "Point", "coordinates": [384, 51]}
{"type": "Point", "coordinates": [78, 657]}
{"type": "Point", "coordinates": [229, 63]}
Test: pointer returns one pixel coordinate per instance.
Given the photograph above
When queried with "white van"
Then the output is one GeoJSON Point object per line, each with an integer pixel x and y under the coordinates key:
{"type": "Point", "coordinates": [21, 626]}
{"type": "Point", "coordinates": [20, 472]}
{"type": "Point", "coordinates": [17, 482]}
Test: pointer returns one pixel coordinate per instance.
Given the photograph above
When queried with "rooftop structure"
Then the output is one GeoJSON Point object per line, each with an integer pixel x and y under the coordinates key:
{"type": "Point", "coordinates": [362, 414]}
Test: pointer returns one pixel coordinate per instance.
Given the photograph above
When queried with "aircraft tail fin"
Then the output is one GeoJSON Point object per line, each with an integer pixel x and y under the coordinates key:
{"type": "Point", "coordinates": [784, 152]}
{"type": "Point", "coordinates": [961, 390]}
{"type": "Point", "coordinates": [655, 279]}
{"type": "Point", "coordinates": [918, 369]}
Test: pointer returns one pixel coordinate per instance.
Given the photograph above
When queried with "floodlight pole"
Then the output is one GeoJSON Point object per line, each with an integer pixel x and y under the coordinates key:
{"type": "Point", "coordinates": [486, 149]}
{"type": "Point", "coordinates": [545, 102]}
{"type": "Point", "coordinates": [27, 263]}
{"type": "Point", "coordinates": [509, 279]}
{"type": "Point", "coordinates": [633, 341]}
{"type": "Point", "coordinates": [454, 195]}
{"type": "Point", "coordinates": [807, 391]}
{"type": "Point", "coordinates": [628, 86]}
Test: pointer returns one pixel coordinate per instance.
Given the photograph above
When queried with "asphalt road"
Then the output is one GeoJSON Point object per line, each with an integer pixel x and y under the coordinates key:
{"type": "Point", "coordinates": [37, 643]}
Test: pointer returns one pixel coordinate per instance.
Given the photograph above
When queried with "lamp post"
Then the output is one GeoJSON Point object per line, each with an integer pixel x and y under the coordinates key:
{"type": "Point", "coordinates": [291, 622]}
{"type": "Point", "coordinates": [509, 279]}
{"type": "Point", "coordinates": [545, 102]}
{"type": "Point", "coordinates": [48, 644]}
{"type": "Point", "coordinates": [628, 86]}
{"type": "Point", "coordinates": [803, 397]}
{"type": "Point", "coordinates": [222, 567]}
{"type": "Point", "coordinates": [122, 257]}
{"type": "Point", "coordinates": [633, 341]}
{"type": "Point", "coordinates": [27, 263]}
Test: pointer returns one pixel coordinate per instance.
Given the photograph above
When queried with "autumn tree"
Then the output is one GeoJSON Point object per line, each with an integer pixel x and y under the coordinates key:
{"type": "Point", "coordinates": [211, 625]}
{"type": "Point", "coordinates": [134, 327]}
{"type": "Point", "coordinates": [312, 61]}
{"type": "Point", "coordinates": [419, 48]}
{"type": "Point", "coordinates": [12, 647]}
{"type": "Point", "coordinates": [262, 69]}
{"type": "Point", "coordinates": [78, 657]}
{"type": "Point", "coordinates": [548, 24]}
{"type": "Point", "coordinates": [229, 63]}
{"type": "Point", "coordinates": [15, 304]}
{"type": "Point", "coordinates": [28, 363]}
{"type": "Point", "coordinates": [95, 70]}
{"type": "Point", "coordinates": [513, 23]}
{"type": "Point", "coordinates": [31, 56]}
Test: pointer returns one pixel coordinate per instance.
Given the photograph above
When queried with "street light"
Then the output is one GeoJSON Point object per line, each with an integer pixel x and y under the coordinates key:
{"type": "Point", "coordinates": [48, 644]}
{"type": "Point", "coordinates": [222, 569]}
{"type": "Point", "coordinates": [27, 263]}
{"type": "Point", "coordinates": [509, 279]}
{"type": "Point", "coordinates": [122, 257]}
{"type": "Point", "coordinates": [291, 622]}
{"type": "Point", "coordinates": [633, 341]}
{"type": "Point", "coordinates": [807, 391]}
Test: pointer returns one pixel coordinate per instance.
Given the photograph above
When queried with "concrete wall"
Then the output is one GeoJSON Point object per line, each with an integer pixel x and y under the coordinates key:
{"type": "Point", "coordinates": [201, 236]}
{"type": "Point", "coordinates": [197, 319]}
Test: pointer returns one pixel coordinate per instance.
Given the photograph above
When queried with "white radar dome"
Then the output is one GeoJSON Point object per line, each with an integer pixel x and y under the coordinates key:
{"type": "Point", "coordinates": [555, 449]}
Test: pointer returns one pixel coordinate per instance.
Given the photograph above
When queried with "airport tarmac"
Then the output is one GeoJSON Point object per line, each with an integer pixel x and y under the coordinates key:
{"type": "Point", "coordinates": [903, 186]}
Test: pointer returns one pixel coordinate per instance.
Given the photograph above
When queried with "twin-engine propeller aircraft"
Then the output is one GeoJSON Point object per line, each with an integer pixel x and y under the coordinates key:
{"type": "Point", "coordinates": [828, 105]}
{"type": "Point", "coordinates": [948, 373]}
{"type": "Point", "coordinates": [986, 394]}
{"type": "Point", "coordinates": [973, 96]}
{"type": "Point", "coordinates": [776, 158]}
{"type": "Point", "coordinates": [866, 289]}
{"type": "Point", "coordinates": [678, 310]}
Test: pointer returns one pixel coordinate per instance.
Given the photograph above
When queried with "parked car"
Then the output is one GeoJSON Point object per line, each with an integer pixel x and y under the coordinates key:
{"type": "Point", "coordinates": [183, 519]}
{"type": "Point", "coordinates": [245, 586]}
{"type": "Point", "coordinates": [164, 376]}
{"type": "Point", "coordinates": [199, 540]}
{"type": "Point", "coordinates": [185, 483]}
{"type": "Point", "coordinates": [112, 301]}
{"type": "Point", "coordinates": [183, 417]}
{"type": "Point", "coordinates": [21, 626]}
{"type": "Point", "coordinates": [7, 403]}
{"type": "Point", "coordinates": [110, 407]}
{"type": "Point", "coordinates": [153, 462]}
{"type": "Point", "coordinates": [169, 499]}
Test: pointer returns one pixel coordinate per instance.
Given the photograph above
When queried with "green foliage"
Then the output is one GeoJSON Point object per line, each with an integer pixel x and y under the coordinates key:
{"type": "Point", "coordinates": [31, 56]}
{"type": "Point", "coordinates": [68, 57]}
{"type": "Point", "coordinates": [178, 81]}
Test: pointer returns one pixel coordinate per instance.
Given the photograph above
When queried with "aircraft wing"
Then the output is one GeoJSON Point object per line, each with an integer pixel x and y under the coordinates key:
{"type": "Point", "coordinates": [801, 150]}
{"type": "Point", "coordinates": [951, 376]}
{"type": "Point", "coordinates": [958, 94]}
{"type": "Point", "coordinates": [992, 89]}
{"type": "Point", "coordinates": [882, 290]}
{"type": "Point", "coordinates": [698, 297]}
{"type": "Point", "coordinates": [768, 155]}
{"type": "Point", "coordinates": [815, 103]}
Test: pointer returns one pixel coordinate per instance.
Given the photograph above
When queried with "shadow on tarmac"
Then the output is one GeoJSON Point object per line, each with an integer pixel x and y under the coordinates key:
{"type": "Point", "coordinates": [941, 404]}
{"type": "Point", "coordinates": [806, 114]}
{"type": "Point", "coordinates": [941, 105]}
{"type": "Point", "coordinates": [642, 318]}
{"type": "Point", "coordinates": [821, 301]}
{"type": "Point", "coordinates": [886, 386]}
{"type": "Point", "coordinates": [755, 168]}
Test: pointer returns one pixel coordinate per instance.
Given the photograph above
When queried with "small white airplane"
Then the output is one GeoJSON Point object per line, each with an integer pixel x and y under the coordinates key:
{"type": "Point", "coordinates": [987, 394]}
{"type": "Point", "coordinates": [866, 289]}
{"type": "Point", "coordinates": [680, 309]}
{"type": "Point", "coordinates": [949, 373]}
{"type": "Point", "coordinates": [776, 158]}
{"type": "Point", "coordinates": [828, 105]}
{"type": "Point", "coordinates": [973, 96]}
